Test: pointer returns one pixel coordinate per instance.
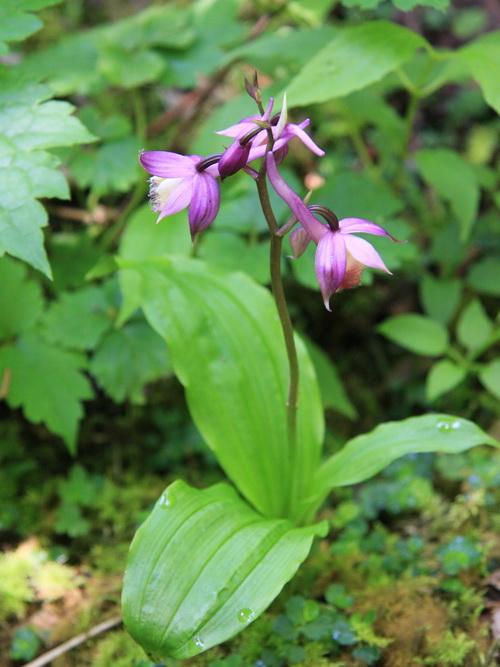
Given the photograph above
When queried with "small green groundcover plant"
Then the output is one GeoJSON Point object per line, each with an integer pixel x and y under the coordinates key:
{"type": "Point", "coordinates": [206, 563]}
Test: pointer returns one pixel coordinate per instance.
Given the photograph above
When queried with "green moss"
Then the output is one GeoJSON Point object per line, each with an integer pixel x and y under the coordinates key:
{"type": "Point", "coordinates": [451, 650]}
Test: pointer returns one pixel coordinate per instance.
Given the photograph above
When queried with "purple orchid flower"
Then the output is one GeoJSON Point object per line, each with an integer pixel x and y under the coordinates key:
{"type": "Point", "coordinates": [340, 256]}
{"type": "Point", "coordinates": [180, 181]}
{"type": "Point", "coordinates": [282, 131]}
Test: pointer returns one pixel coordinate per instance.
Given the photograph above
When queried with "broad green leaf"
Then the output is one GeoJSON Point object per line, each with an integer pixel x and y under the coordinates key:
{"type": "Point", "coordinates": [332, 390]}
{"type": "Point", "coordinates": [367, 454]}
{"type": "Point", "coordinates": [143, 239]}
{"type": "Point", "coordinates": [21, 300]}
{"type": "Point", "coordinates": [454, 180]}
{"type": "Point", "coordinates": [490, 377]}
{"type": "Point", "coordinates": [482, 59]}
{"type": "Point", "coordinates": [27, 171]}
{"type": "Point", "coordinates": [47, 384]}
{"type": "Point", "coordinates": [79, 319]}
{"type": "Point", "coordinates": [233, 253]}
{"type": "Point", "coordinates": [202, 567]}
{"type": "Point", "coordinates": [355, 58]}
{"type": "Point", "coordinates": [443, 376]}
{"type": "Point", "coordinates": [474, 327]}
{"type": "Point", "coordinates": [416, 333]}
{"type": "Point", "coordinates": [227, 349]}
{"type": "Point", "coordinates": [440, 297]}
{"type": "Point", "coordinates": [284, 49]}
{"type": "Point", "coordinates": [127, 359]}
{"type": "Point", "coordinates": [17, 22]}
{"type": "Point", "coordinates": [483, 276]}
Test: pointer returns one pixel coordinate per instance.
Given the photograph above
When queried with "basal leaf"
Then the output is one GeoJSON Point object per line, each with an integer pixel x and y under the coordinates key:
{"type": "Point", "coordinates": [203, 566]}
{"type": "Point", "coordinates": [227, 349]}
{"type": "Point", "coordinates": [21, 300]}
{"type": "Point", "coordinates": [367, 454]}
{"type": "Point", "coordinates": [46, 383]}
{"type": "Point", "coordinates": [355, 58]}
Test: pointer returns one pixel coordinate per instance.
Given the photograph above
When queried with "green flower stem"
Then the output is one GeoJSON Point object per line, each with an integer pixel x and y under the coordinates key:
{"type": "Point", "coordinates": [281, 306]}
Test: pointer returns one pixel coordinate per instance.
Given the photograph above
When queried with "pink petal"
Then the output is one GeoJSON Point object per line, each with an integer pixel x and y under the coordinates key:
{"type": "Point", "coordinates": [238, 130]}
{"type": "Point", "coordinates": [313, 226]}
{"type": "Point", "coordinates": [167, 165]}
{"type": "Point", "coordinates": [330, 264]}
{"type": "Point", "coordinates": [205, 202]}
{"type": "Point", "coordinates": [298, 132]}
{"type": "Point", "coordinates": [360, 226]}
{"type": "Point", "coordinates": [364, 252]}
{"type": "Point", "coordinates": [269, 109]}
{"type": "Point", "coordinates": [178, 199]}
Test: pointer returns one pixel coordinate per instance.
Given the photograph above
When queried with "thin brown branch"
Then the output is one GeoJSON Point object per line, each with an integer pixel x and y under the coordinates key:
{"type": "Point", "coordinates": [54, 653]}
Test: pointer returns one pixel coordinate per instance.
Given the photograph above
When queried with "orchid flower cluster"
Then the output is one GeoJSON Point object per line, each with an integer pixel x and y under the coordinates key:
{"type": "Point", "coordinates": [193, 182]}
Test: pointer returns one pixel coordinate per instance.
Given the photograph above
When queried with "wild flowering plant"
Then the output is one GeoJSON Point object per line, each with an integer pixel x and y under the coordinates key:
{"type": "Point", "coordinates": [207, 562]}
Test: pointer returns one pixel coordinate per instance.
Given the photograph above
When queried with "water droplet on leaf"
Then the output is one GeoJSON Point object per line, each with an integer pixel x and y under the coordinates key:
{"type": "Point", "coordinates": [198, 642]}
{"type": "Point", "coordinates": [166, 501]}
{"type": "Point", "coordinates": [443, 426]}
{"type": "Point", "coordinates": [246, 615]}
{"type": "Point", "coordinates": [456, 424]}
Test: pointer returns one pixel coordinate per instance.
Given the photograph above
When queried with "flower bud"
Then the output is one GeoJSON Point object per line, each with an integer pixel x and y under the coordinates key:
{"type": "Point", "coordinates": [234, 158]}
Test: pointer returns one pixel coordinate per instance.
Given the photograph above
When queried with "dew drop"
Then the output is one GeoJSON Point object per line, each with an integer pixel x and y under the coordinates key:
{"type": "Point", "coordinates": [456, 424]}
{"type": "Point", "coordinates": [245, 615]}
{"type": "Point", "coordinates": [443, 426]}
{"type": "Point", "coordinates": [199, 643]}
{"type": "Point", "coordinates": [166, 501]}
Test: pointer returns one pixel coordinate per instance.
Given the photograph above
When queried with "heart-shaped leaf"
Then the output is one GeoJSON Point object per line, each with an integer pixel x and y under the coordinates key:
{"type": "Point", "coordinates": [203, 566]}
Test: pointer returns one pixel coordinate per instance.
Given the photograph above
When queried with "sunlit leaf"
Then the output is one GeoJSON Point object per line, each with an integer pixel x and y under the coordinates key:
{"type": "Point", "coordinates": [482, 59]}
{"type": "Point", "coordinates": [227, 349]}
{"type": "Point", "coordinates": [203, 566]}
{"type": "Point", "coordinates": [416, 333]}
{"type": "Point", "coordinates": [355, 58]}
{"type": "Point", "coordinates": [443, 376]}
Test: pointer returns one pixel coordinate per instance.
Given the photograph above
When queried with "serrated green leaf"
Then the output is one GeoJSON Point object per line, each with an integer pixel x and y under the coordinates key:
{"type": "Point", "coordinates": [440, 297]}
{"type": "Point", "coordinates": [219, 329]}
{"type": "Point", "coordinates": [113, 167]}
{"type": "Point", "coordinates": [416, 333]}
{"type": "Point", "coordinates": [365, 455]}
{"type": "Point", "coordinates": [443, 377]}
{"type": "Point", "coordinates": [21, 300]}
{"type": "Point", "coordinates": [454, 180]}
{"type": "Point", "coordinates": [355, 58]}
{"type": "Point", "coordinates": [27, 171]}
{"type": "Point", "coordinates": [474, 327]}
{"type": "Point", "coordinates": [203, 566]}
{"type": "Point", "coordinates": [490, 377]}
{"type": "Point", "coordinates": [127, 359]}
{"type": "Point", "coordinates": [482, 59]}
{"type": "Point", "coordinates": [47, 384]}
{"type": "Point", "coordinates": [79, 319]}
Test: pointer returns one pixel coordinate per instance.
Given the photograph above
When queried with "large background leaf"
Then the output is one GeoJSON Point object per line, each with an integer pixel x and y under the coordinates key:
{"type": "Point", "coordinates": [203, 566]}
{"type": "Point", "coordinates": [355, 58]}
{"type": "Point", "coordinates": [227, 349]}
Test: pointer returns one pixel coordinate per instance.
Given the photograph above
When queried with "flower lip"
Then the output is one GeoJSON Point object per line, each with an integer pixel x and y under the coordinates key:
{"type": "Point", "coordinates": [326, 214]}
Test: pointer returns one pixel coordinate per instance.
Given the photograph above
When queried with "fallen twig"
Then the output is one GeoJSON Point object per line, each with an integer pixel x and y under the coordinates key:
{"type": "Point", "coordinates": [54, 653]}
